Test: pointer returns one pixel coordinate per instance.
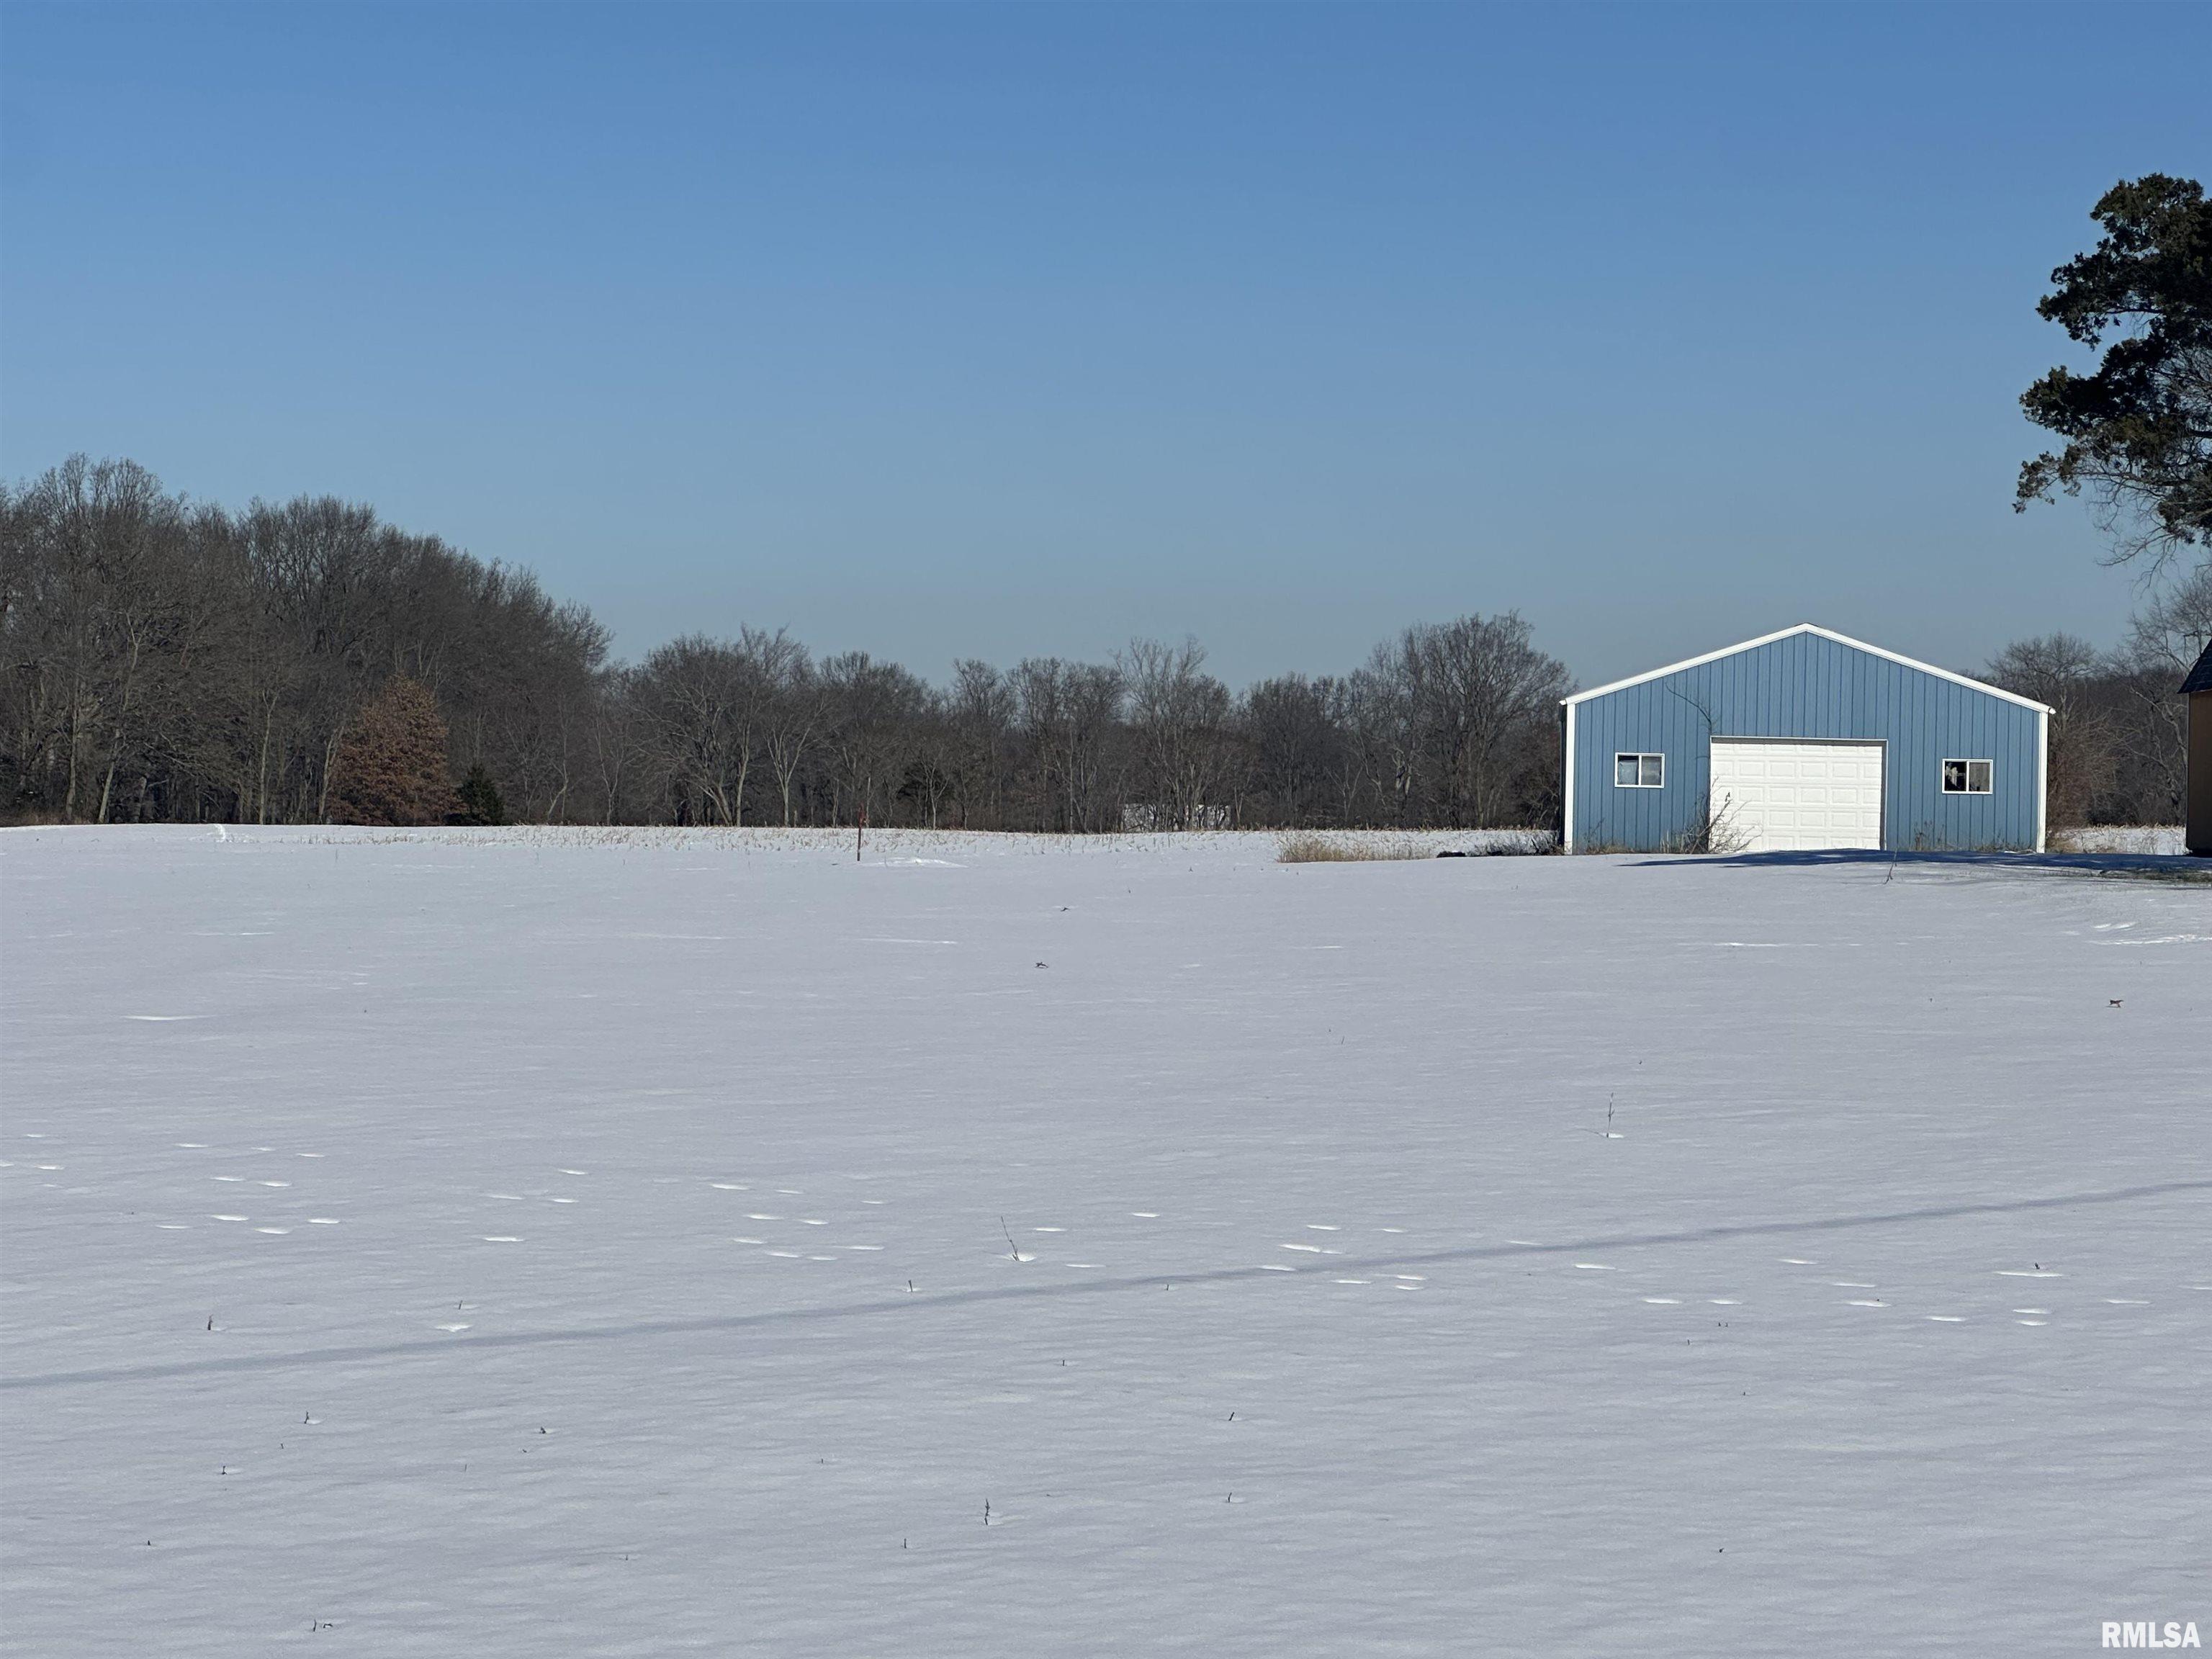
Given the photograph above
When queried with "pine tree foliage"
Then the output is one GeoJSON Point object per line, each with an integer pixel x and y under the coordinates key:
{"type": "Point", "coordinates": [391, 767]}
{"type": "Point", "coordinates": [2138, 428]}
{"type": "Point", "coordinates": [478, 800]}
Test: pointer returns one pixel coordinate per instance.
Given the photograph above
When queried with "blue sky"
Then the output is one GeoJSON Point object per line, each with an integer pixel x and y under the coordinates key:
{"type": "Point", "coordinates": [950, 330]}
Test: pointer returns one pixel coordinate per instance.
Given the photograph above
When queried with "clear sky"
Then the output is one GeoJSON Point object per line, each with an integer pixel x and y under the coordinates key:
{"type": "Point", "coordinates": [949, 330]}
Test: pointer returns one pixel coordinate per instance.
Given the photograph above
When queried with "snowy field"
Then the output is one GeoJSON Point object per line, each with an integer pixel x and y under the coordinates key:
{"type": "Point", "coordinates": [531, 1243]}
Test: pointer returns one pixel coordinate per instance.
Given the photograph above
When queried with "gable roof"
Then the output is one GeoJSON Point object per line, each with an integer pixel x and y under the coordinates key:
{"type": "Point", "coordinates": [2200, 678]}
{"type": "Point", "coordinates": [1840, 639]}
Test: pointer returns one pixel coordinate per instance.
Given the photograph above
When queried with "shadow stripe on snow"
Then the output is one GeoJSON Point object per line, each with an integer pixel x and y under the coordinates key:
{"type": "Point", "coordinates": [273, 1362]}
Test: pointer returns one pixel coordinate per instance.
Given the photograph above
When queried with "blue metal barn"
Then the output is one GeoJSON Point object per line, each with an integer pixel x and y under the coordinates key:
{"type": "Point", "coordinates": [1800, 740]}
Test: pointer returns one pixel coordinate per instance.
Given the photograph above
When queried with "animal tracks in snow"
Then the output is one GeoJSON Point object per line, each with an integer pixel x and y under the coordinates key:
{"type": "Point", "coordinates": [1632, 1280]}
{"type": "Point", "coordinates": [1796, 1296]}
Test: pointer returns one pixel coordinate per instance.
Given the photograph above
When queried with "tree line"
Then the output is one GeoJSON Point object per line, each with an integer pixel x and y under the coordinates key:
{"type": "Point", "coordinates": [167, 660]}
{"type": "Point", "coordinates": [2118, 732]}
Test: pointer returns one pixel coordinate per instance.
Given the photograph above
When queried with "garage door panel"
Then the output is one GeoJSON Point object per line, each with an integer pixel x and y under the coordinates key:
{"type": "Point", "coordinates": [1798, 797]}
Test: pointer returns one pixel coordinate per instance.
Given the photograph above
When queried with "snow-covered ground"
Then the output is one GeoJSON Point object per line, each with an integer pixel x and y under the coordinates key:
{"type": "Point", "coordinates": [2163, 839]}
{"type": "Point", "coordinates": [532, 1244]}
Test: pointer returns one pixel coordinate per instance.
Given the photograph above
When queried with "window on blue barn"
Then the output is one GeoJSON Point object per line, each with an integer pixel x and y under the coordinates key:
{"type": "Point", "coordinates": [1968, 777]}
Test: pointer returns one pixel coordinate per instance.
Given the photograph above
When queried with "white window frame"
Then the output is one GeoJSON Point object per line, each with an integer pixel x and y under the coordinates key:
{"type": "Point", "coordinates": [1989, 775]}
{"type": "Point", "coordinates": [1623, 754]}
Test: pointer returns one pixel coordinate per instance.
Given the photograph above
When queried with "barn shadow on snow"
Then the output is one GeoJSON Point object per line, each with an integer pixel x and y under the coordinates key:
{"type": "Point", "coordinates": [2125, 866]}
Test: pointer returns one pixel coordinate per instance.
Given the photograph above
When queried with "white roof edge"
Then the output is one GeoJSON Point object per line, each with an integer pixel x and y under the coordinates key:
{"type": "Point", "coordinates": [1826, 633]}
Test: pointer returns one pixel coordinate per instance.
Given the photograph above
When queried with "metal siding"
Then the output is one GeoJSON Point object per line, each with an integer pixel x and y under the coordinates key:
{"type": "Point", "coordinates": [1803, 685]}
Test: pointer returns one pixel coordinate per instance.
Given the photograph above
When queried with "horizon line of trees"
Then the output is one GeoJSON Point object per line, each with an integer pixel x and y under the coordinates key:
{"type": "Point", "coordinates": [165, 660]}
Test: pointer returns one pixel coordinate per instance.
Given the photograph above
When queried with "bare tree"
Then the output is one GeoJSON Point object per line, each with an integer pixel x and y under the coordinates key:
{"type": "Point", "coordinates": [714, 708]}
{"type": "Point", "coordinates": [790, 721]}
{"type": "Point", "coordinates": [1482, 691]}
{"type": "Point", "coordinates": [980, 715]}
{"type": "Point", "coordinates": [1295, 746]}
{"type": "Point", "coordinates": [620, 743]}
{"type": "Point", "coordinates": [1385, 725]}
{"type": "Point", "coordinates": [2062, 670]}
{"type": "Point", "coordinates": [2163, 644]}
{"type": "Point", "coordinates": [1066, 714]}
{"type": "Point", "coordinates": [872, 712]}
{"type": "Point", "coordinates": [1179, 717]}
{"type": "Point", "coordinates": [691, 689]}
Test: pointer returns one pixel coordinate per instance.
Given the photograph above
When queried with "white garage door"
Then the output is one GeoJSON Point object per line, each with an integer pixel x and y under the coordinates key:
{"type": "Point", "coordinates": [1775, 797]}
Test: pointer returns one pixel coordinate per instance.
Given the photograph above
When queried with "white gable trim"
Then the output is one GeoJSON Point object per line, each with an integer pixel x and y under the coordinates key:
{"type": "Point", "coordinates": [2042, 780]}
{"type": "Point", "coordinates": [1826, 633]}
{"type": "Point", "coordinates": [1567, 818]}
